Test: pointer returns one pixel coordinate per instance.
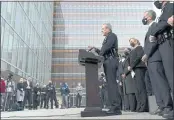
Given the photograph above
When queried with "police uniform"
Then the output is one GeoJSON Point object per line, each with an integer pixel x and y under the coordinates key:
{"type": "Point", "coordinates": [109, 51]}
{"type": "Point", "coordinates": [36, 94]}
{"type": "Point", "coordinates": [50, 95]}
{"type": "Point", "coordinates": [156, 72]}
{"type": "Point", "coordinates": [164, 34]}
{"type": "Point", "coordinates": [43, 97]}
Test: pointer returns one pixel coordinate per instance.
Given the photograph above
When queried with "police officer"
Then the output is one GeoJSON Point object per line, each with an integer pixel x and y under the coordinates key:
{"type": "Point", "coordinates": [163, 34]}
{"type": "Point", "coordinates": [50, 94]}
{"type": "Point", "coordinates": [103, 91]}
{"type": "Point", "coordinates": [55, 97]}
{"type": "Point", "coordinates": [109, 52]}
{"type": "Point", "coordinates": [43, 96]}
{"type": "Point", "coordinates": [36, 95]}
{"type": "Point", "coordinates": [155, 68]}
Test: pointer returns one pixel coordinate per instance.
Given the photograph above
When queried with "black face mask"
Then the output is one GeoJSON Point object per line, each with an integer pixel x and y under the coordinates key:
{"type": "Point", "coordinates": [132, 44]}
{"type": "Point", "coordinates": [126, 53]}
{"type": "Point", "coordinates": [158, 5]}
{"type": "Point", "coordinates": [144, 21]}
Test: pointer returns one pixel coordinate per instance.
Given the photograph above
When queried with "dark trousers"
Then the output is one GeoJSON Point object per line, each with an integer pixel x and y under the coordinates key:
{"type": "Point", "coordinates": [50, 98]}
{"type": "Point", "coordinates": [78, 100]}
{"type": "Point", "coordinates": [55, 101]}
{"type": "Point", "coordinates": [148, 84]}
{"type": "Point", "coordinates": [110, 69]}
{"type": "Point", "coordinates": [35, 101]}
{"type": "Point", "coordinates": [130, 102]}
{"type": "Point", "coordinates": [126, 102]}
{"type": "Point", "coordinates": [141, 96]}
{"type": "Point", "coordinates": [8, 100]}
{"type": "Point", "coordinates": [160, 85]}
{"type": "Point", "coordinates": [43, 101]}
{"type": "Point", "coordinates": [166, 52]}
{"type": "Point", "coordinates": [28, 97]}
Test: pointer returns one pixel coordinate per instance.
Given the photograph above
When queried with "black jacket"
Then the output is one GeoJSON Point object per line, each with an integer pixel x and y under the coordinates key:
{"type": "Point", "coordinates": [128, 82]}
{"type": "Point", "coordinates": [150, 48]}
{"type": "Point", "coordinates": [109, 43]}
{"type": "Point", "coordinates": [135, 58]}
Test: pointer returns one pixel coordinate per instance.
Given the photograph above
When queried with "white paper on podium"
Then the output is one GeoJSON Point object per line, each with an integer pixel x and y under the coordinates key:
{"type": "Point", "coordinates": [132, 74]}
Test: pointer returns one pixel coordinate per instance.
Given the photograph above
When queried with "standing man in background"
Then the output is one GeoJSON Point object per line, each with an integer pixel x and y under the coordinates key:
{"type": "Point", "coordinates": [155, 67]}
{"type": "Point", "coordinates": [79, 94]}
{"type": "Point", "coordinates": [28, 86]}
{"type": "Point", "coordinates": [109, 51]}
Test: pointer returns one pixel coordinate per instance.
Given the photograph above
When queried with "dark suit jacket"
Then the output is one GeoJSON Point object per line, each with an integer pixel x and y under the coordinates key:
{"type": "Point", "coordinates": [128, 82]}
{"type": "Point", "coordinates": [109, 43]}
{"type": "Point", "coordinates": [151, 48]}
{"type": "Point", "coordinates": [135, 58]}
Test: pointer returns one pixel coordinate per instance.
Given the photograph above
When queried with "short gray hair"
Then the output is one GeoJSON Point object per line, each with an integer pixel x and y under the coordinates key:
{"type": "Point", "coordinates": [152, 14]}
{"type": "Point", "coordinates": [108, 26]}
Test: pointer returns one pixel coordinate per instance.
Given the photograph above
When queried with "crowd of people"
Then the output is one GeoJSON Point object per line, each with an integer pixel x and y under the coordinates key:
{"type": "Point", "coordinates": [26, 95]}
{"type": "Point", "coordinates": [23, 94]}
{"type": "Point", "coordinates": [141, 71]}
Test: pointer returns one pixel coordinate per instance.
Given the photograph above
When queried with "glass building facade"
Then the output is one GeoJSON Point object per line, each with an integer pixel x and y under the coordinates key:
{"type": "Point", "coordinates": [78, 25]}
{"type": "Point", "coordinates": [26, 39]}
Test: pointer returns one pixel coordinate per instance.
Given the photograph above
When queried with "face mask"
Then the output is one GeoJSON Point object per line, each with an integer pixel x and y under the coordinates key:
{"type": "Point", "coordinates": [144, 21]}
{"type": "Point", "coordinates": [158, 5]}
{"type": "Point", "coordinates": [132, 44]}
{"type": "Point", "coordinates": [126, 53]}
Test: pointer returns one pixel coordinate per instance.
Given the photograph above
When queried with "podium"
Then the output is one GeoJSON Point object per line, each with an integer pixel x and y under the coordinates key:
{"type": "Point", "coordinates": [92, 63]}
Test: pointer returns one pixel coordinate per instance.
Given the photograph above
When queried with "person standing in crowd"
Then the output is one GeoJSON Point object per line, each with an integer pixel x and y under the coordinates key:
{"type": "Point", "coordinates": [43, 96]}
{"type": "Point", "coordinates": [109, 51]}
{"type": "Point", "coordinates": [129, 83]}
{"type": "Point", "coordinates": [119, 80]}
{"type": "Point", "coordinates": [155, 67]}
{"type": "Point", "coordinates": [10, 91]}
{"type": "Point", "coordinates": [163, 34]}
{"type": "Point", "coordinates": [36, 96]}
{"type": "Point", "coordinates": [55, 97]}
{"type": "Point", "coordinates": [138, 69]}
{"type": "Point", "coordinates": [64, 93]}
{"type": "Point", "coordinates": [28, 86]}
{"type": "Point", "coordinates": [2, 93]}
{"type": "Point", "coordinates": [50, 94]}
{"type": "Point", "coordinates": [79, 94]}
{"type": "Point", "coordinates": [20, 94]}
{"type": "Point", "coordinates": [103, 91]}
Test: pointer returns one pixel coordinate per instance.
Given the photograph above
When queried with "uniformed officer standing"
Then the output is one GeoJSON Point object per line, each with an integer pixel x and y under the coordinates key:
{"type": "Point", "coordinates": [50, 94]}
{"type": "Point", "coordinates": [36, 96]}
{"type": "Point", "coordinates": [163, 34]}
{"type": "Point", "coordinates": [155, 67]}
{"type": "Point", "coordinates": [109, 51]}
{"type": "Point", "coordinates": [103, 91]}
{"type": "Point", "coordinates": [43, 96]}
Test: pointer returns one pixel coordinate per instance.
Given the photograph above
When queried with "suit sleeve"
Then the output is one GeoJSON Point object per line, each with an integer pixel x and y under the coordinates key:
{"type": "Point", "coordinates": [108, 44]}
{"type": "Point", "coordinates": [137, 60]}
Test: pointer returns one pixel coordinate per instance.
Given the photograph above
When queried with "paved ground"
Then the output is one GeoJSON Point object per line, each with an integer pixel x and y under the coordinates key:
{"type": "Point", "coordinates": [72, 113]}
